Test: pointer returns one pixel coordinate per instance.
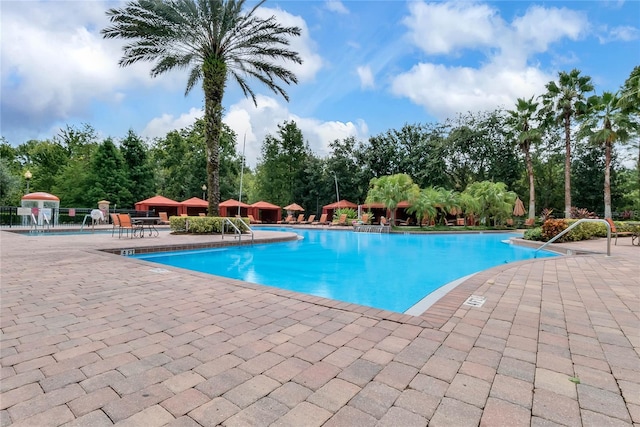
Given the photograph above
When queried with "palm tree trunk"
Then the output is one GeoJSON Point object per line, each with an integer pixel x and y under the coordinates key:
{"type": "Point", "coordinates": [532, 191]}
{"type": "Point", "coordinates": [607, 178]}
{"type": "Point", "coordinates": [215, 73]}
{"type": "Point", "coordinates": [567, 166]}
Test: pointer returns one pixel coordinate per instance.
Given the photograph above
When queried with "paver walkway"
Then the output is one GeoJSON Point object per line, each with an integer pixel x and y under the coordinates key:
{"type": "Point", "coordinates": [92, 339]}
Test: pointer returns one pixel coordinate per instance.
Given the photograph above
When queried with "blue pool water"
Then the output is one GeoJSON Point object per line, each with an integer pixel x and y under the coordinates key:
{"type": "Point", "coordinates": [387, 271]}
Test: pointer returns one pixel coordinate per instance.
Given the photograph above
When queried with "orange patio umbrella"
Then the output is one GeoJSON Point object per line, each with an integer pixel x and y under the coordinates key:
{"type": "Point", "coordinates": [294, 207]}
{"type": "Point", "coordinates": [518, 209]}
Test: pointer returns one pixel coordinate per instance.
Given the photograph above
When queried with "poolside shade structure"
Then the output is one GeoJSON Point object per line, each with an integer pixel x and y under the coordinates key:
{"type": "Point", "coordinates": [294, 207]}
{"type": "Point", "coordinates": [518, 209]}
{"type": "Point", "coordinates": [230, 208]}
{"type": "Point", "coordinates": [193, 206]}
{"type": "Point", "coordinates": [342, 204]}
{"type": "Point", "coordinates": [266, 212]}
{"type": "Point", "coordinates": [43, 205]}
{"type": "Point", "coordinates": [159, 204]}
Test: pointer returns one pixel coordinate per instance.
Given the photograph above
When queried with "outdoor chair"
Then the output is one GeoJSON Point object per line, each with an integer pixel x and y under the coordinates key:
{"type": "Point", "coordinates": [321, 221]}
{"type": "Point", "coordinates": [127, 224]}
{"type": "Point", "coordinates": [288, 220]}
{"type": "Point", "coordinates": [164, 219]}
{"type": "Point", "coordinates": [615, 232]}
{"type": "Point", "coordinates": [299, 220]}
{"type": "Point", "coordinates": [342, 220]}
{"type": "Point", "coordinates": [252, 220]}
{"type": "Point", "coordinates": [529, 222]}
{"type": "Point", "coordinates": [202, 214]}
{"type": "Point", "coordinates": [310, 220]}
{"type": "Point", "coordinates": [115, 220]}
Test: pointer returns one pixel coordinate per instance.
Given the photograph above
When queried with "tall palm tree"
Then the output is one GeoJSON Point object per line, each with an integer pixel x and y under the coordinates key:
{"type": "Point", "coordinates": [606, 125]}
{"type": "Point", "coordinates": [564, 102]}
{"type": "Point", "coordinates": [520, 120]}
{"type": "Point", "coordinates": [216, 41]}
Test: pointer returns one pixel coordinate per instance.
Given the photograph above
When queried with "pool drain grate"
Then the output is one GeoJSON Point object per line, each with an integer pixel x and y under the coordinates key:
{"type": "Point", "coordinates": [475, 301]}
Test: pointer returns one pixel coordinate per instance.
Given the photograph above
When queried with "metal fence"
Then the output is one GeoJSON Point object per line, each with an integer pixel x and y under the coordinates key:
{"type": "Point", "coordinates": [63, 216]}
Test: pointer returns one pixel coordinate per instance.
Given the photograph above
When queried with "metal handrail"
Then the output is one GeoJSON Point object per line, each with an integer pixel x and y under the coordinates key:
{"type": "Point", "coordinates": [34, 223]}
{"type": "Point", "coordinates": [574, 225]}
{"type": "Point", "coordinates": [238, 231]}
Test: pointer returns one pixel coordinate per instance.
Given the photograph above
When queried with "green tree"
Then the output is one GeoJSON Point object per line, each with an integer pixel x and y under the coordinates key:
{"type": "Point", "coordinates": [521, 121]}
{"type": "Point", "coordinates": [343, 163]}
{"type": "Point", "coordinates": [606, 124]}
{"type": "Point", "coordinates": [218, 41]}
{"type": "Point", "coordinates": [280, 171]}
{"type": "Point", "coordinates": [141, 181]}
{"type": "Point", "coordinates": [391, 190]}
{"type": "Point", "coordinates": [107, 178]}
{"type": "Point", "coordinates": [629, 101]}
{"type": "Point", "coordinates": [424, 204]}
{"type": "Point", "coordinates": [565, 101]}
{"type": "Point", "coordinates": [495, 202]}
{"type": "Point", "coordinates": [9, 184]}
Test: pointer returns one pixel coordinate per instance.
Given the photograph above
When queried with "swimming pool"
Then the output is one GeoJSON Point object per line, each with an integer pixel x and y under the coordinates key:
{"type": "Point", "coordinates": [387, 271]}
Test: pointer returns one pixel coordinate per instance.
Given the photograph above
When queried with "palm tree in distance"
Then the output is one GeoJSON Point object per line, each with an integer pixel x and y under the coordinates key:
{"type": "Point", "coordinates": [606, 125]}
{"type": "Point", "coordinates": [564, 102]}
{"type": "Point", "coordinates": [215, 40]}
{"type": "Point", "coordinates": [520, 120]}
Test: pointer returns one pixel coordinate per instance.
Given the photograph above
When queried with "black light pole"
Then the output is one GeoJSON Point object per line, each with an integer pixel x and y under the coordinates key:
{"type": "Point", "coordinates": [204, 190]}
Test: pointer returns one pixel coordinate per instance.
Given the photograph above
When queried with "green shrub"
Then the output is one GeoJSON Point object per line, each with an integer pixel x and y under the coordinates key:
{"type": "Point", "coordinates": [533, 234]}
{"type": "Point", "coordinates": [351, 213]}
{"type": "Point", "coordinates": [584, 231]}
{"type": "Point", "coordinates": [552, 227]}
{"type": "Point", "coordinates": [206, 224]}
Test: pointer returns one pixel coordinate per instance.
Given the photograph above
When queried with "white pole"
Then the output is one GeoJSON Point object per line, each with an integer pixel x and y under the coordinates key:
{"type": "Point", "coordinates": [244, 143]}
{"type": "Point", "coordinates": [337, 194]}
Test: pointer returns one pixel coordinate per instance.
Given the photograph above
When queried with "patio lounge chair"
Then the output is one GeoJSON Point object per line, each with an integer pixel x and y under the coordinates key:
{"type": "Point", "coordinates": [321, 221]}
{"type": "Point", "coordinates": [309, 220]}
{"type": "Point", "coordinates": [252, 220]}
{"type": "Point", "coordinates": [288, 220]}
{"type": "Point", "coordinates": [342, 220]}
{"type": "Point", "coordinates": [299, 220]}
{"type": "Point", "coordinates": [529, 222]}
{"type": "Point", "coordinates": [164, 219]}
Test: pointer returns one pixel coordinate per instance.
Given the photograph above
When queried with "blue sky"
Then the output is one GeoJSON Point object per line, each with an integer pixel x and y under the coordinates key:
{"type": "Point", "coordinates": [369, 66]}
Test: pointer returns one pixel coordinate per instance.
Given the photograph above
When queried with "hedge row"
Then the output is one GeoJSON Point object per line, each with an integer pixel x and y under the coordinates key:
{"type": "Point", "coordinates": [206, 224]}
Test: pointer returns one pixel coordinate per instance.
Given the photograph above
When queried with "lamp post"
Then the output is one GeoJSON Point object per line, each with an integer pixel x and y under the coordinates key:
{"type": "Point", "coordinates": [204, 190]}
{"type": "Point", "coordinates": [337, 194]}
{"type": "Point", "coordinates": [27, 176]}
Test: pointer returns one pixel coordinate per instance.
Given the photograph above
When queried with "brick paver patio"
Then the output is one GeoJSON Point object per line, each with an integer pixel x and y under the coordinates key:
{"type": "Point", "coordinates": [93, 339]}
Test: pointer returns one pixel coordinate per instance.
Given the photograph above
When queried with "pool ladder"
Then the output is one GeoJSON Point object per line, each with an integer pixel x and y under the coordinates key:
{"type": "Point", "coordinates": [236, 230]}
{"type": "Point", "coordinates": [574, 225]}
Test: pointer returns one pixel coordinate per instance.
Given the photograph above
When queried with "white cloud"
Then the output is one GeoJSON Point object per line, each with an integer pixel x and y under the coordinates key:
{"type": "Point", "coordinates": [622, 33]}
{"type": "Point", "coordinates": [442, 28]}
{"type": "Point", "coordinates": [304, 45]}
{"type": "Point", "coordinates": [336, 6]}
{"type": "Point", "coordinates": [257, 122]}
{"type": "Point", "coordinates": [159, 127]}
{"type": "Point", "coordinates": [502, 75]}
{"type": "Point", "coordinates": [366, 77]}
{"type": "Point", "coordinates": [446, 91]}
